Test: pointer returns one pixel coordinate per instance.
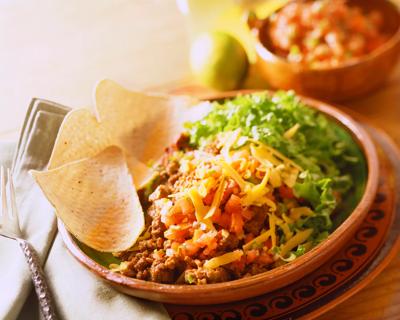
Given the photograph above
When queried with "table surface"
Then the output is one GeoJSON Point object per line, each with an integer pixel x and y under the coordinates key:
{"type": "Point", "coordinates": [58, 50]}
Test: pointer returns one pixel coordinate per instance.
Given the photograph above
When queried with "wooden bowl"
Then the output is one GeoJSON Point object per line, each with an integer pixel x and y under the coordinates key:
{"type": "Point", "coordinates": [261, 283]}
{"type": "Point", "coordinates": [354, 78]}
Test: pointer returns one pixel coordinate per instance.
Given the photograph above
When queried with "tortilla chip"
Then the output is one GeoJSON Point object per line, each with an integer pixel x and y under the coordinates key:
{"type": "Point", "coordinates": [88, 181]}
{"type": "Point", "coordinates": [96, 200]}
{"type": "Point", "coordinates": [141, 125]}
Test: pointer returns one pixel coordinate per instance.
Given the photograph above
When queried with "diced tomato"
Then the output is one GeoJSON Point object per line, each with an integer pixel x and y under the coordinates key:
{"type": "Point", "coordinates": [189, 248]}
{"type": "Point", "coordinates": [239, 265]}
{"type": "Point", "coordinates": [271, 196]}
{"type": "Point", "coordinates": [208, 241]}
{"type": "Point", "coordinates": [237, 223]}
{"type": "Point", "coordinates": [231, 188]}
{"type": "Point", "coordinates": [247, 214]}
{"type": "Point", "coordinates": [251, 255]}
{"type": "Point", "coordinates": [224, 220]}
{"type": "Point", "coordinates": [177, 234]}
{"type": "Point", "coordinates": [208, 199]}
{"type": "Point", "coordinates": [265, 258]}
{"type": "Point", "coordinates": [174, 218]}
{"type": "Point", "coordinates": [286, 192]}
{"type": "Point", "coordinates": [183, 210]}
{"type": "Point", "coordinates": [210, 249]}
{"type": "Point", "coordinates": [233, 205]}
{"type": "Point", "coordinates": [186, 206]}
{"type": "Point", "coordinates": [248, 237]}
{"type": "Point", "coordinates": [216, 216]}
{"type": "Point", "coordinates": [268, 243]}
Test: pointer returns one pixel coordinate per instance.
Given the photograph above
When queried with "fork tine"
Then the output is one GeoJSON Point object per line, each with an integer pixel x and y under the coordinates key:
{"type": "Point", "coordinates": [3, 208]}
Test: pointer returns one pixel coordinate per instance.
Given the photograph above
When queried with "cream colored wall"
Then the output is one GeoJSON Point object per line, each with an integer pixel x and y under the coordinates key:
{"type": "Point", "coordinates": [58, 49]}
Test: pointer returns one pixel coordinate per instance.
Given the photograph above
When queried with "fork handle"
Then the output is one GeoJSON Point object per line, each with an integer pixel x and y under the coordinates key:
{"type": "Point", "coordinates": [39, 280]}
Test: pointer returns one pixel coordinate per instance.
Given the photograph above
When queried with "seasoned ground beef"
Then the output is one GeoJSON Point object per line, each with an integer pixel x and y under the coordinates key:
{"type": "Point", "coordinates": [183, 142]}
{"type": "Point", "coordinates": [167, 270]}
{"type": "Point", "coordinates": [212, 148]}
{"type": "Point", "coordinates": [160, 192]}
{"type": "Point", "coordinates": [257, 223]}
{"type": "Point", "coordinates": [229, 243]}
{"type": "Point", "coordinates": [256, 269]}
{"type": "Point", "coordinates": [204, 276]}
{"type": "Point", "coordinates": [157, 228]}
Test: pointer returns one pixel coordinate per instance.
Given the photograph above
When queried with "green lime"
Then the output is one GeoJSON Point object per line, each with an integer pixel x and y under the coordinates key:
{"type": "Point", "coordinates": [218, 60]}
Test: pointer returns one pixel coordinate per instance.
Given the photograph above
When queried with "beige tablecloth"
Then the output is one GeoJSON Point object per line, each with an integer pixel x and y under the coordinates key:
{"type": "Point", "coordinates": [78, 294]}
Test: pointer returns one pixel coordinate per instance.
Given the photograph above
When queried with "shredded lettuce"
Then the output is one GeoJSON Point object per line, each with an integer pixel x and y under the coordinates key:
{"type": "Point", "coordinates": [325, 150]}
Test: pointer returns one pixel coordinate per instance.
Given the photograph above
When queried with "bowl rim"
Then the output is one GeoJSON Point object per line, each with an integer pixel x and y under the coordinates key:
{"type": "Point", "coordinates": [266, 54]}
{"type": "Point", "coordinates": [321, 251]}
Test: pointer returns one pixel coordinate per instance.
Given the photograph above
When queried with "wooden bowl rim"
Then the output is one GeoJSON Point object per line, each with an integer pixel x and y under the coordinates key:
{"type": "Point", "coordinates": [305, 262]}
{"type": "Point", "coordinates": [266, 54]}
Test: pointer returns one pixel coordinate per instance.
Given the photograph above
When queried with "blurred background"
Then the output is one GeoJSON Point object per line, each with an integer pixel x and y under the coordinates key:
{"type": "Point", "coordinates": [57, 50]}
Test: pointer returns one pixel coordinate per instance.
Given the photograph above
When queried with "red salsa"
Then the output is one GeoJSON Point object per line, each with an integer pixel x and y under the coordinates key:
{"type": "Point", "coordinates": [325, 33]}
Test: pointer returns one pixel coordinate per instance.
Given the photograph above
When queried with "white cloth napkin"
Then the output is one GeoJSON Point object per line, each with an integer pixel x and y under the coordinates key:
{"type": "Point", "coordinates": [37, 221]}
{"type": "Point", "coordinates": [78, 294]}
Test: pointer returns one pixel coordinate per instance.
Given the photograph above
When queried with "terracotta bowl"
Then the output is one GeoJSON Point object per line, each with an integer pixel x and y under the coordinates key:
{"type": "Point", "coordinates": [261, 283]}
{"type": "Point", "coordinates": [349, 80]}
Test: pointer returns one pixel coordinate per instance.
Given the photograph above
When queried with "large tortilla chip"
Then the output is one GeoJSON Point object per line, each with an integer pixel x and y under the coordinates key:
{"type": "Point", "coordinates": [96, 200]}
{"type": "Point", "coordinates": [96, 156]}
{"type": "Point", "coordinates": [140, 124]}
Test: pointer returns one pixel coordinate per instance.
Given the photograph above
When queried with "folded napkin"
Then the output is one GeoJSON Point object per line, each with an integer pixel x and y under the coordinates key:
{"type": "Point", "coordinates": [77, 293]}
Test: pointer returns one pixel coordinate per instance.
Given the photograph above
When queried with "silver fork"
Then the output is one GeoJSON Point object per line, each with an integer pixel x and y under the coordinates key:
{"type": "Point", "coordinates": [9, 228]}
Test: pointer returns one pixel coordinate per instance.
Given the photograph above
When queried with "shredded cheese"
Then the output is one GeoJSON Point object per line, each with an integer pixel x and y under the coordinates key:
{"type": "Point", "coordinates": [290, 177]}
{"type": "Point", "coordinates": [258, 240]}
{"type": "Point", "coordinates": [231, 138]}
{"type": "Point", "coordinates": [275, 179]}
{"type": "Point", "coordinates": [255, 195]}
{"type": "Point", "coordinates": [286, 230]}
{"type": "Point", "coordinates": [119, 267]}
{"type": "Point", "coordinates": [291, 132]}
{"type": "Point", "coordinates": [265, 152]}
{"type": "Point", "coordinates": [270, 203]}
{"type": "Point", "coordinates": [232, 173]}
{"type": "Point", "coordinates": [200, 208]}
{"type": "Point", "coordinates": [217, 199]}
{"type": "Point", "coordinates": [279, 155]}
{"type": "Point", "coordinates": [272, 223]}
{"type": "Point", "coordinates": [264, 156]}
{"type": "Point", "coordinates": [296, 240]}
{"type": "Point", "coordinates": [297, 213]}
{"type": "Point", "coordinates": [287, 219]}
{"type": "Point", "coordinates": [223, 259]}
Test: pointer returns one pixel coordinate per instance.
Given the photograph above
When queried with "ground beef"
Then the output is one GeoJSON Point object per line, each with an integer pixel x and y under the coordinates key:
{"type": "Point", "coordinates": [156, 242]}
{"type": "Point", "coordinates": [153, 211]}
{"type": "Point", "coordinates": [138, 266]}
{"type": "Point", "coordinates": [157, 228]}
{"type": "Point", "coordinates": [183, 142]}
{"type": "Point", "coordinates": [212, 148]}
{"type": "Point", "coordinates": [160, 192]}
{"type": "Point", "coordinates": [174, 178]}
{"type": "Point", "coordinates": [229, 243]}
{"type": "Point", "coordinates": [204, 276]}
{"type": "Point", "coordinates": [257, 223]}
{"type": "Point", "coordinates": [255, 268]}
{"type": "Point", "coordinates": [151, 244]}
{"type": "Point", "coordinates": [167, 270]}
{"type": "Point", "coordinates": [172, 167]}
